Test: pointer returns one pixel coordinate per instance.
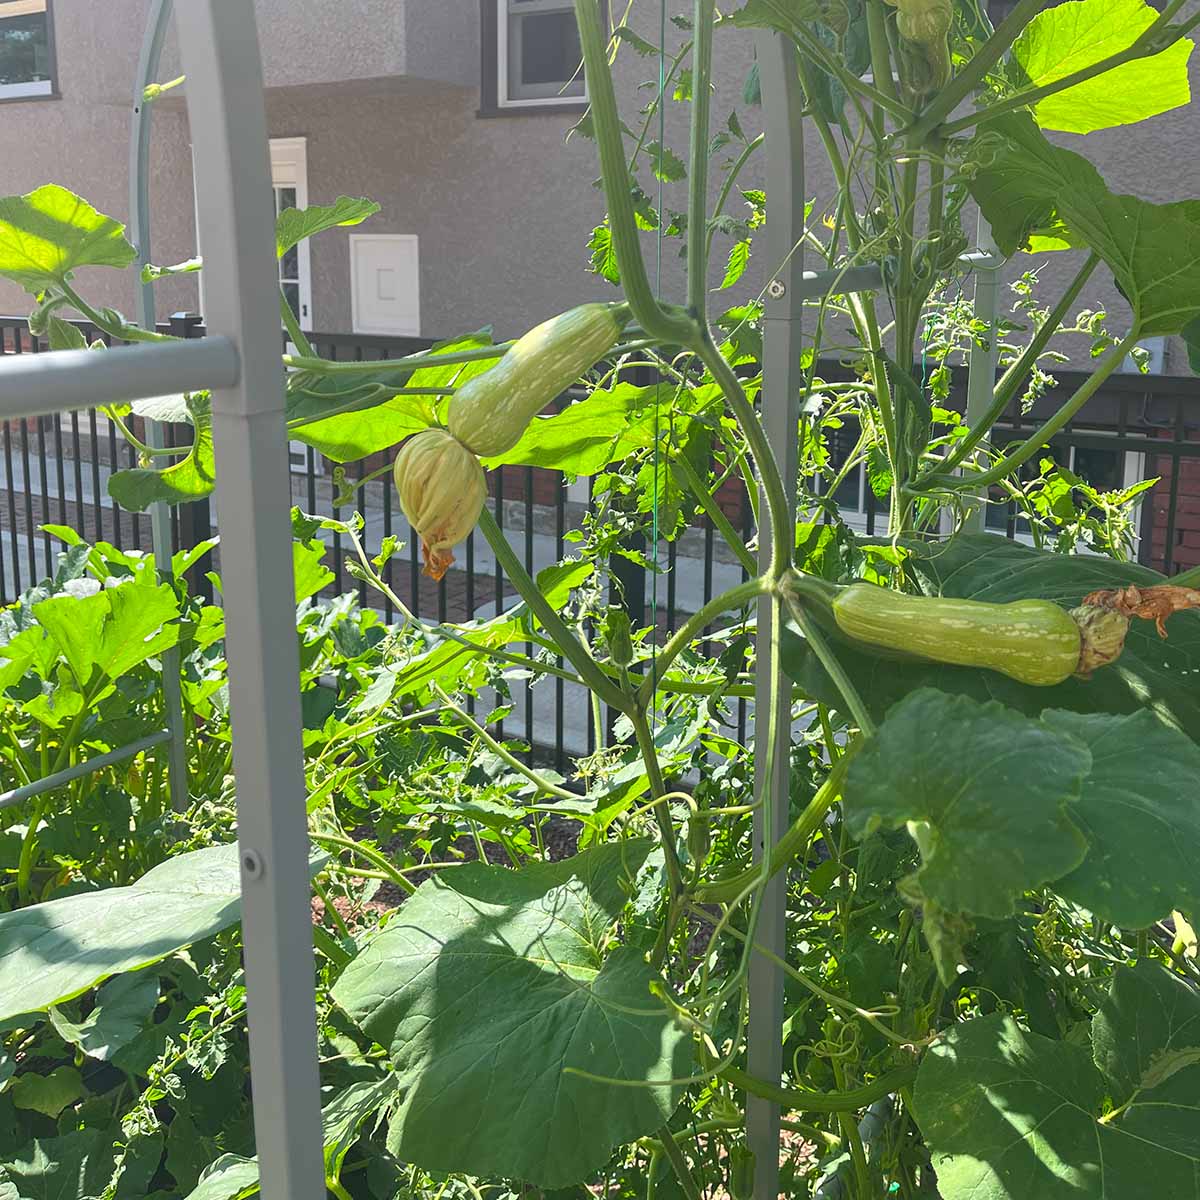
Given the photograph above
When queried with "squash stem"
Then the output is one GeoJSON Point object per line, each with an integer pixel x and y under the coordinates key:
{"type": "Point", "coordinates": [1037, 440]}
{"type": "Point", "coordinates": [672, 327]}
{"type": "Point", "coordinates": [1012, 379]}
{"type": "Point", "coordinates": [555, 626]}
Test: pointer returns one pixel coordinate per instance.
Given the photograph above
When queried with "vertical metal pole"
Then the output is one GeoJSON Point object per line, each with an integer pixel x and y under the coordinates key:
{"type": "Point", "coordinates": [981, 367]}
{"type": "Point", "coordinates": [226, 107]}
{"type": "Point", "coordinates": [783, 103]}
{"type": "Point", "coordinates": [157, 21]}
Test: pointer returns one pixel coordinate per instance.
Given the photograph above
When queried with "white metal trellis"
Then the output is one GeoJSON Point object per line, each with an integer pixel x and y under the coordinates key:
{"type": "Point", "coordinates": [239, 361]}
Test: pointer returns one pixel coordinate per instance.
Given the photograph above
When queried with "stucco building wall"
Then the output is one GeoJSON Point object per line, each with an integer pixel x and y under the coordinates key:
{"type": "Point", "coordinates": [387, 94]}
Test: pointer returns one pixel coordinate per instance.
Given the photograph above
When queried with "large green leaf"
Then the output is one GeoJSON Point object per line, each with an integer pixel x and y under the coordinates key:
{"type": "Point", "coordinates": [992, 788]}
{"type": "Point", "coordinates": [1140, 813]}
{"type": "Point", "coordinates": [72, 1167]}
{"type": "Point", "coordinates": [1028, 187]}
{"type": "Point", "coordinates": [52, 952]}
{"type": "Point", "coordinates": [122, 1009]}
{"type": "Point", "coordinates": [585, 437]}
{"type": "Point", "coordinates": [191, 478]}
{"type": "Point", "coordinates": [1151, 673]}
{"type": "Point", "coordinates": [1070, 37]}
{"type": "Point", "coordinates": [1146, 1036]}
{"type": "Point", "coordinates": [490, 984]}
{"type": "Point", "coordinates": [1010, 1115]}
{"type": "Point", "coordinates": [293, 225]}
{"type": "Point", "coordinates": [114, 630]}
{"type": "Point", "coordinates": [48, 233]}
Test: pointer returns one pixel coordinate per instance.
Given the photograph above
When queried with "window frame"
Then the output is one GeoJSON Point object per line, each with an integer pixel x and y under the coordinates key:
{"type": "Point", "coordinates": [40, 89]}
{"type": "Point", "coordinates": [493, 42]}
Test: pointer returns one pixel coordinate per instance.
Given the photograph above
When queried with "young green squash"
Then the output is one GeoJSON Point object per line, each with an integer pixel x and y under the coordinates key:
{"type": "Point", "coordinates": [489, 413]}
{"type": "Point", "coordinates": [1032, 641]}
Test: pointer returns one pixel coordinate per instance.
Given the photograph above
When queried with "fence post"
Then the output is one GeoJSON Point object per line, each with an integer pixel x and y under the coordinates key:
{"type": "Point", "coordinates": [195, 519]}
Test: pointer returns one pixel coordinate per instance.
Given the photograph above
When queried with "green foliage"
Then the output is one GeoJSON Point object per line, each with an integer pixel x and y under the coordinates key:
{"type": "Point", "coordinates": [536, 978]}
{"type": "Point", "coordinates": [1005, 1109]}
{"type": "Point", "coordinates": [1068, 38]}
{"type": "Point", "coordinates": [295, 225]}
{"type": "Point", "coordinates": [1037, 195]}
{"type": "Point", "coordinates": [49, 233]}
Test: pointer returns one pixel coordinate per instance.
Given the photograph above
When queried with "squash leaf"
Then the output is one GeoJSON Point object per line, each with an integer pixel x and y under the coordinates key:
{"type": "Point", "coordinates": [1030, 189]}
{"type": "Point", "coordinates": [1070, 37]}
{"type": "Point", "coordinates": [48, 233]}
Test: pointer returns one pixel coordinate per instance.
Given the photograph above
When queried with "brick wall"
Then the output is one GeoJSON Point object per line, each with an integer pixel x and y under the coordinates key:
{"type": "Point", "coordinates": [1185, 541]}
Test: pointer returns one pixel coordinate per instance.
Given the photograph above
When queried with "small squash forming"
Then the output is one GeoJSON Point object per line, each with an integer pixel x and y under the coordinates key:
{"type": "Point", "coordinates": [1033, 641]}
{"type": "Point", "coordinates": [489, 413]}
{"type": "Point", "coordinates": [442, 490]}
{"type": "Point", "coordinates": [924, 28]}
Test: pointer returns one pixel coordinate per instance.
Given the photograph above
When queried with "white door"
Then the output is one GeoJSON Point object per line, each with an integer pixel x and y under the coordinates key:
{"type": "Point", "coordinates": [385, 284]}
{"type": "Point", "coordinates": [289, 181]}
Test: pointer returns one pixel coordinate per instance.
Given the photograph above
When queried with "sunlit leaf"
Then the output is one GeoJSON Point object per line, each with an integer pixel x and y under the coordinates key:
{"type": "Point", "coordinates": [989, 788]}
{"type": "Point", "coordinates": [1067, 38]}
{"type": "Point", "coordinates": [48, 233]}
{"type": "Point", "coordinates": [293, 225]}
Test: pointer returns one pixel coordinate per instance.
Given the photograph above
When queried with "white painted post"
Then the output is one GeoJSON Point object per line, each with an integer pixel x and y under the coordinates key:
{"type": "Point", "coordinates": [219, 41]}
{"type": "Point", "coordinates": [783, 102]}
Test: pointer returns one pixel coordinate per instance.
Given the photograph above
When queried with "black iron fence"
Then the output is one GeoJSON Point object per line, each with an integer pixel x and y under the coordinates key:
{"type": "Point", "coordinates": [55, 470]}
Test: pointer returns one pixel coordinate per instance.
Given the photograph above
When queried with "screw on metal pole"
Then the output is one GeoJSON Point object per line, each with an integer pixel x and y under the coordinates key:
{"type": "Point", "coordinates": [783, 104]}
{"type": "Point", "coordinates": [157, 21]}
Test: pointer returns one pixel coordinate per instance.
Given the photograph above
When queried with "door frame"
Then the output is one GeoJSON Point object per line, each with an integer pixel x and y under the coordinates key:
{"type": "Point", "coordinates": [289, 168]}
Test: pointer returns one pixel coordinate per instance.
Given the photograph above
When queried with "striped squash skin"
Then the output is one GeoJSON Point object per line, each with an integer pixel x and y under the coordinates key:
{"type": "Point", "coordinates": [490, 412]}
{"type": "Point", "coordinates": [1032, 641]}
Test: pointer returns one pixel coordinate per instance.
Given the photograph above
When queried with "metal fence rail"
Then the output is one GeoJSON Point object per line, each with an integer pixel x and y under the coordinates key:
{"type": "Point", "coordinates": [54, 470]}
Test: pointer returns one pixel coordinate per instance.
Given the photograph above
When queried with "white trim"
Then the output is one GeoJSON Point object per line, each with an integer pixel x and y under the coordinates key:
{"type": "Point", "coordinates": [35, 87]}
{"type": "Point", "coordinates": [502, 97]}
{"type": "Point", "coordinates": [355, 324]}
{"type": "Point", "coordinates": [289, 168]}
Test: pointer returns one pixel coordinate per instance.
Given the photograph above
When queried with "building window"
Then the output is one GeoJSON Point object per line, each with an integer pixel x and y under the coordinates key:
{"type": "Point", "coordinates": [532, 57]}
{"type": "Point", "coordinates": [26, 49]}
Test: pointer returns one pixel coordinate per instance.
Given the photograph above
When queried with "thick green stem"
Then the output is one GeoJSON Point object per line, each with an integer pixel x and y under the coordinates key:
{"type": "Point", "coordinates": [662, 812]}
{"type": "Point", "coordinates": [374, 366]}
{"type": "Point", "coordinates": [782, 533]}
{"type": "Point", "coordinates": [1036, 441]}
{"type": "Point", "coordinates": [849, 1128]}
{"type": "Point", "coordinates": [881, 62]}
{"type": "Point", "coordinates": [834, 669]}
{"type": "Point", "coordinates": [670, 1147]}
{"type": "Point", "coordinates": [799, 1100]}
{"type": "Point", "coordinates": [795, 838]}
{"type": "Point", "coordinates": [294, 332]}
{"type": "Point", "coordinates": [1012, 379]}
{"type": "Point", "coordinates": [744, 593]}
{"type": "Point", "coordinates": [697, 243]}
{"type": "Point", "coordinates": [712, 510]}
{"type": "Point", "coordinates": [672, 327]}
{"type": "Point", "coordinates": [572, 648]}
{"type": "Point", "coordinates": [972, 75]}
{"type": "Point", "coordinates": [103, 321]}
